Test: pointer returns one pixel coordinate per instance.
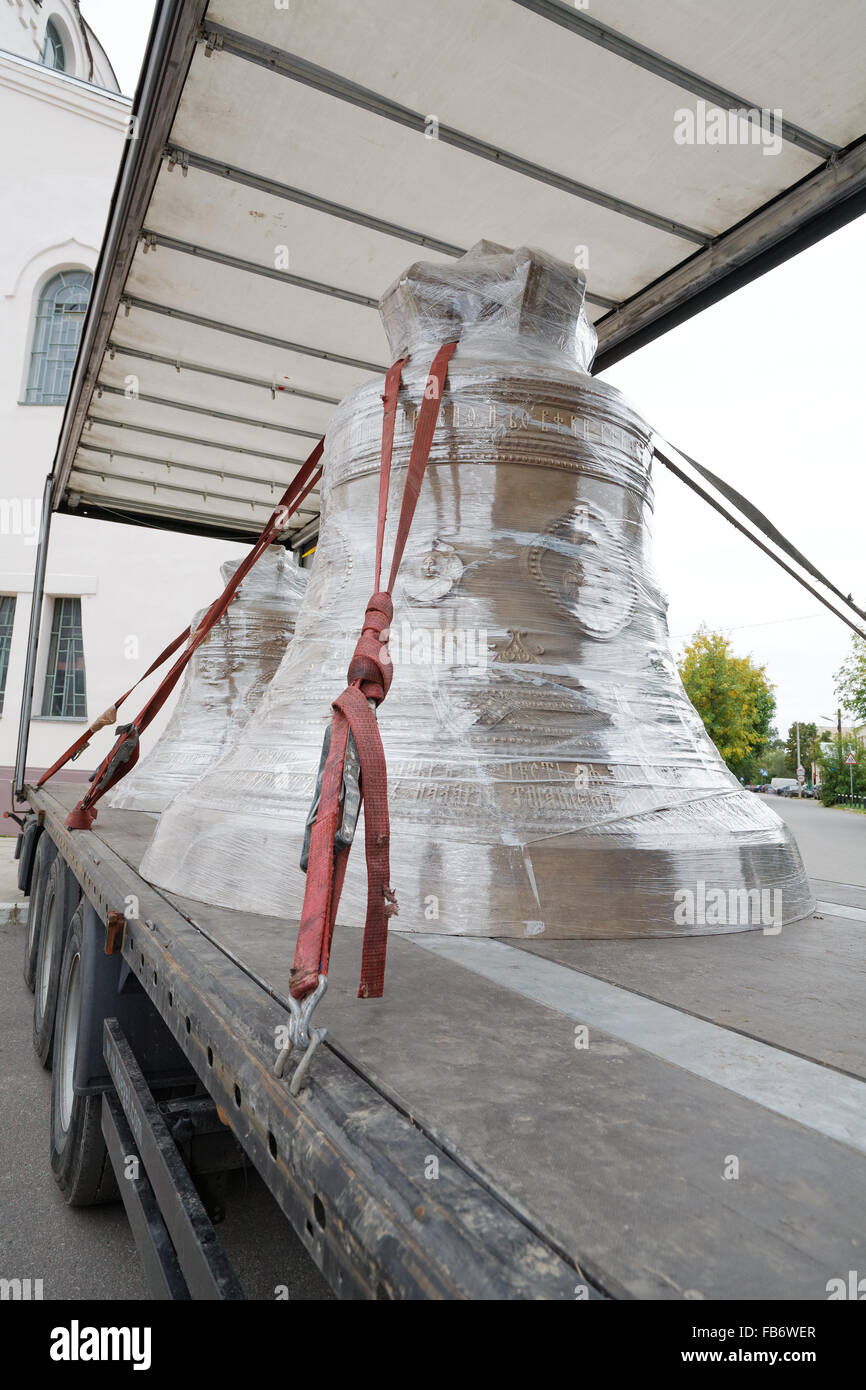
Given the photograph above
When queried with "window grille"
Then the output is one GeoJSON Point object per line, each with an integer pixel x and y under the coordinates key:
{"type": "Point", "coordinates": [59, 320]}
{"type": "Point", "coordinates": [65, 694]}
{"type": "Point", "coordinates": [7, 618]}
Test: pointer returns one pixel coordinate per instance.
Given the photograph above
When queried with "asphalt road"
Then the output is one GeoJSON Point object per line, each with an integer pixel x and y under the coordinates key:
{"type": "Point", "coordinates": [832, 840]}
{"type": "Point", "coordinates": [89, 1253]}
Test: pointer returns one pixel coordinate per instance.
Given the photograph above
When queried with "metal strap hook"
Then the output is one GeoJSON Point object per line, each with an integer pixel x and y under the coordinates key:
{"type": "Point", "coordinates": [302, 1035]}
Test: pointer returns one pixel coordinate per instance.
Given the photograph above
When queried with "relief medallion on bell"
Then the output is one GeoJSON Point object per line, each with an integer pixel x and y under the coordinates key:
{"type": "Point", "coordinates": [582, 564]}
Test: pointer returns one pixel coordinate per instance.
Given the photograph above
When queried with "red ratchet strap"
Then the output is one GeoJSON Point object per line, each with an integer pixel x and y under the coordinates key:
{"type": "Point", "coordinates": [124, 754]}
{"type": "Point", "coordinates": [110, 715]}
{"type": "Point", "coordinates": [369, 678]}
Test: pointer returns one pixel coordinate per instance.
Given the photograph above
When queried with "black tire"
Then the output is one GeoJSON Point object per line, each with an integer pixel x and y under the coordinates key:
{"type": "Point", "coordinates": [56, 912]}
{"type": "Point", "coordinates": [79, 1158]}
{"type": "Point", "coordinates": [45, 853]}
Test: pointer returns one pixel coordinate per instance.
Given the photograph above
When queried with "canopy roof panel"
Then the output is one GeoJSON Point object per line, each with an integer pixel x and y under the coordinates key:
{"type": "Point", "coordinates": [290, 163]}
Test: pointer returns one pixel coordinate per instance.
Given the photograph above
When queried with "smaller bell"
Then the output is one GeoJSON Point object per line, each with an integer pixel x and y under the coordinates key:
{"type": "Point", "coordinates": [223, 683]}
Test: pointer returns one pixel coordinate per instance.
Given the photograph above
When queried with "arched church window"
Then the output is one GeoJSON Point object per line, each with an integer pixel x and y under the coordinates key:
{"type": "Point", "coordinates": [53, 52]}
{"type": "Point", "coordinates": [59, 320]}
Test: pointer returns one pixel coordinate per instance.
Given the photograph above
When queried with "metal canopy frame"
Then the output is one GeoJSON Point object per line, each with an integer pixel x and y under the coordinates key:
{"type": "Point", "coordinates": [819, 205]}
{"type": "Point", "coordinates": [166, 63]}
{"type": "Point", "coordinates": [117, 349]}
{"type": "Point", "coordinates": [291, 66]}
{"type": "Point", "coordinates": [253, 268]}
{"type": "Point", "coordinates": [185, 316]}
{"type": "Point", "coordinates": [585, 27]}
{"type": "Point", "coordinates": [188, 159]}
{"type": "Point", "coordinates": [152, 217]}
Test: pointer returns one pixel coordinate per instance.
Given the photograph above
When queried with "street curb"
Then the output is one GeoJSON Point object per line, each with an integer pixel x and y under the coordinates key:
{"type": "Point", "coordinates": [14, 914]}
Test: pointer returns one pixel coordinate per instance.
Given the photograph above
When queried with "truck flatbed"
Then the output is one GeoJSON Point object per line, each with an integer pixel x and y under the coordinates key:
{"type": "Point", "coordinates": [667, 1118]}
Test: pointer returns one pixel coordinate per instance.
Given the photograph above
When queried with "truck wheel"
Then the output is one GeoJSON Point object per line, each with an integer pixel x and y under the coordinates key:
{"type": "Point", "coordinates": [45, 852]}
{"type": "Point", "coordinates": [79, 1158]}
{"type": "Point", "coordinates": [56, 911]}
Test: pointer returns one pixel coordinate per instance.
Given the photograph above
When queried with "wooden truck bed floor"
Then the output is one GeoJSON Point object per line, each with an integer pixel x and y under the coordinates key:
{"type": "Point", "coordinates": [706, 1057]}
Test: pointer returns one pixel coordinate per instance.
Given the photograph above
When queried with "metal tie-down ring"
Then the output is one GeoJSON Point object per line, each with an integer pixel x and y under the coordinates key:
{"type": "Point", "coordinates": [301, 1034]}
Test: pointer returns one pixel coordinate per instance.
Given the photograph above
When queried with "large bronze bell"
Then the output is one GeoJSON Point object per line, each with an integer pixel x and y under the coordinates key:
{"type": "Point", "coordinates": [223, 683]}
{"type": "Point", "coordinates": [547, 773]}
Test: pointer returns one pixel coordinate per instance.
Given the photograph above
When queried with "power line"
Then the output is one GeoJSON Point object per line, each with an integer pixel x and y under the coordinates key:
{"type": "Point", "coordinates": [743, 627]}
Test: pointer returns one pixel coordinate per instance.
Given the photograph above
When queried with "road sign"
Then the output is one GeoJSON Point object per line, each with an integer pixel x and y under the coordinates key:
{"type": "Point", "coordinates": [850, 761]}
{"type": "Point", "coordinates": [801, 774]}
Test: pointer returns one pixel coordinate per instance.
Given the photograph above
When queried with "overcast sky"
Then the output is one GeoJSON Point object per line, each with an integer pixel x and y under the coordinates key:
{"type": "Point", "coordinates": [764, 389]}
{"type": "Point", "coordinates": [122, 27]}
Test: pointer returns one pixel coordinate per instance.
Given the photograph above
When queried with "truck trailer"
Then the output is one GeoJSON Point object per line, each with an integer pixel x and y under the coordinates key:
{"type": "Point", "coordinates": [521, 1119]}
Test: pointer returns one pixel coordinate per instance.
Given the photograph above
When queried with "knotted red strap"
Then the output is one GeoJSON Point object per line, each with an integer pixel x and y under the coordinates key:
{"type": "Point", "coordinates": [124, 754]}
{"type": "Point", "coordinates": [369, 679]}
{"type": "Point", "coordinates": [109, 716]}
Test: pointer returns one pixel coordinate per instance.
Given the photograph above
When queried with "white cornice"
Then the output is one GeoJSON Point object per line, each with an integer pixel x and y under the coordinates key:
{"type": "Point", "coordinates": [69, 93]}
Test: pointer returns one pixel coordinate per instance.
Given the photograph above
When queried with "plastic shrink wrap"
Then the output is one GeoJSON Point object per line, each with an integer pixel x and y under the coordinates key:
{"type": "Point", "coordinates": [223, 683]}
{"type": "Point", "coordinates": [547, 772]}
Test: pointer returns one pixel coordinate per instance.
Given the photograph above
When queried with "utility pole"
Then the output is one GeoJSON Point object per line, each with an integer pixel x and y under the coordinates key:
{"type": "Point", "coordinates": [799, 765]}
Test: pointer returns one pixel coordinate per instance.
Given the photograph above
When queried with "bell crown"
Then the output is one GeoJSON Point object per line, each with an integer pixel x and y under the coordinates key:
{"type": "Point", "coordinates": [276, 577]}
{"type": "Point", "coordinates": [492, 300]}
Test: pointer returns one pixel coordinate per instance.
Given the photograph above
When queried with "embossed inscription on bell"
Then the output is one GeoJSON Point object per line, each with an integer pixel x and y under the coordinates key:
{"type": "Point", "coordinates": [547, 773]}
{"type": "Point", "coordinates": [223, 683]}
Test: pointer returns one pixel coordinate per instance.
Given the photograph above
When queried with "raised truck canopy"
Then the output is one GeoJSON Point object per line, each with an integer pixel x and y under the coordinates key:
{"type": "Point", "coordinates": [289, 162]}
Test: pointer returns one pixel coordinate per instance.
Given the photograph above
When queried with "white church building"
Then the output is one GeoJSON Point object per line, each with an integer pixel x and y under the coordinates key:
{"type": "Point", "coordinates": [65, 123]}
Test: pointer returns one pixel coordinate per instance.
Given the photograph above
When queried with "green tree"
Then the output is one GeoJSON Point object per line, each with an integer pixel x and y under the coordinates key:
{"type": "Point", "coordinates": [851, 679]}
{"type": "Point", "coordinates": [734, 699]}
{"type": "Point", "coordinates": [775, 760]}
{"type": "Point", "coordinates": [809, 749]}
{"type": "Point", "coordinates": [836, 777]}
